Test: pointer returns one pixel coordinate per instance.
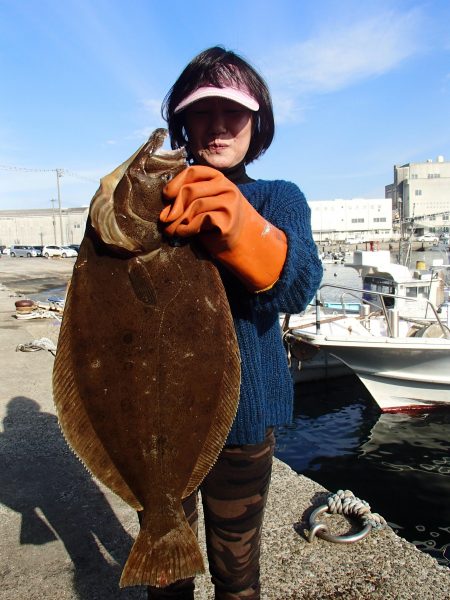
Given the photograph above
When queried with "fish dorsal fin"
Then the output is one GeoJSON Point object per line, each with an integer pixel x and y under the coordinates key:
{"type": "Point", "coordinates": [74, 420]}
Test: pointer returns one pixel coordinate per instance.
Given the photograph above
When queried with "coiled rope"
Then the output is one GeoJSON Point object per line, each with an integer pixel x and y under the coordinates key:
{"type": "Point", "coordinates": [345, 502]}
{"type": "Point", "coordinates": [35, 345]}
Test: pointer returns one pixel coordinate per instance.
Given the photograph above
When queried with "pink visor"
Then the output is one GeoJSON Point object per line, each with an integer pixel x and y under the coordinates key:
{"type": "Point", "coordinates": [230, 93]}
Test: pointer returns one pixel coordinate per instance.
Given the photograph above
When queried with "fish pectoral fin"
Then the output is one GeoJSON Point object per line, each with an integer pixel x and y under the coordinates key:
{"type": "Point", "coordinates": [141, 281]}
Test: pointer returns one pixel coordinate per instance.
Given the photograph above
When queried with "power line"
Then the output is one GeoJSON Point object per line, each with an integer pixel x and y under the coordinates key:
{"type": "Point", "coordinates": [62, 172]}
{"type": "Point", "coordinates": [71, 174]}
{"type": "Point", "coordinates": [11, 168]}
{"type": "Point", "coordinates": [59, 173]}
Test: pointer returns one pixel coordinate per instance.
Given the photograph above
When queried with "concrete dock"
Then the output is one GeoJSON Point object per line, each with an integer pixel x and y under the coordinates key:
{"type": "Point", "coordinates": [65, 536]}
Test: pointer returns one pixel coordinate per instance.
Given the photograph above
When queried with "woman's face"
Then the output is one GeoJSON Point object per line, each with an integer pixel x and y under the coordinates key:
{"type": "Point", "coordinates": [219, 132]}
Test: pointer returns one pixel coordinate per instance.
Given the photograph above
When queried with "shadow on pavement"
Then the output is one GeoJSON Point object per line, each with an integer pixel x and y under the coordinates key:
{"type": "Point", "coordinates": [44, 481]}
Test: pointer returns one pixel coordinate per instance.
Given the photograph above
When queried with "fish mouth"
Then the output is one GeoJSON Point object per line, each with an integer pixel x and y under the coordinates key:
{"type": "Point", "coordinates": [168, 154]}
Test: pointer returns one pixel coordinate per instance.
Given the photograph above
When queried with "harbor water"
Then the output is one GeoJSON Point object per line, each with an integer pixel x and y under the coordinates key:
{"type": "Point", "coordinates": [398, 463]}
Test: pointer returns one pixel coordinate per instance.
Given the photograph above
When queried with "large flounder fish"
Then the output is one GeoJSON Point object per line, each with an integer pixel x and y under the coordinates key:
{"type": "Point", "coordinates": [147, 372]}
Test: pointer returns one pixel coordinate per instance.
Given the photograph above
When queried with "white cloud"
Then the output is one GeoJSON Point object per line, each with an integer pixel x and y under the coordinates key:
{"type": "Point", "coordinates": [153, 119]}
{"type": "Point", "coordinates": [285, 107]}
{"type": "Point", "coordinates": [139, 136]}
{"type": "Point", "coordinates": [153, 107]}
{"type": "Point", "coordinates": [340, 56]}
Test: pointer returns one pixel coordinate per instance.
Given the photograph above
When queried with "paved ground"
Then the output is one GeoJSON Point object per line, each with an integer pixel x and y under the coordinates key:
{"type": "Point", "coordinates": [31, 275]}
{"type": "Point", "coordinates": [65, 537]}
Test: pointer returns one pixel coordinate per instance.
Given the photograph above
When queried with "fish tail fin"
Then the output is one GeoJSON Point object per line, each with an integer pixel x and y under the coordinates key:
{"type": "Point", "coordinates": [159, 561]}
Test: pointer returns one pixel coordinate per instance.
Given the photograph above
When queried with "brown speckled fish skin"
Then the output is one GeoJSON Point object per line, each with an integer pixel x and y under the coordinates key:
{"type": "Point", "coordinates": [147, 373]}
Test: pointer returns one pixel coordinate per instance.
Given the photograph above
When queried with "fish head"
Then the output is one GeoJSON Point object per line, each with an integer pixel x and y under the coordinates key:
{"type": "Point", "coordinates": [125, 210]}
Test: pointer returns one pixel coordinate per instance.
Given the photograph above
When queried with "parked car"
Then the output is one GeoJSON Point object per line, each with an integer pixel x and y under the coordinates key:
{"type": "Point", "coordinates": [48, 251]}
{"type": "Point", "coordinates": [19, 250]}
{"type": "Point", "coordinates": [63, 251]}
{"type": "Point", "coordinates": [68, 252]}
{"type": "Point", "coordinates": [75, 247]}
{"type": "Point", "coordinates": [38, 250]}
{"type": "Point", "coordinates": [428, 237]}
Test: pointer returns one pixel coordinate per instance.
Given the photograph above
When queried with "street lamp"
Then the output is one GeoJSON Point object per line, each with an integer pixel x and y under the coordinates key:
{"type": "Point", "coordinates": [53, 219]}
{"type": "Point", "coordinates": [59, 173]}
{"type": "Point", "coordinates": [400, 216]}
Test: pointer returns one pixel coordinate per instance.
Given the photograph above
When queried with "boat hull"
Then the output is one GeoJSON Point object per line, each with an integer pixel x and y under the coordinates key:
{"type": "Point", "coordinates": [400, 375]}
{"type": "Point", "coordinates": [394, 395]}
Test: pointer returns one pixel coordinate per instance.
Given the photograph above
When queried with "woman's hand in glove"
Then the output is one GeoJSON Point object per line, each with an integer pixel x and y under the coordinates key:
{"type": "Point", "coordinates": [205, 202]}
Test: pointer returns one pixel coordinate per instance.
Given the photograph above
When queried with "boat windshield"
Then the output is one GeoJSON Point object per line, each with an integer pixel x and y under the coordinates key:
{"type": "Point", "coordinates": [381, 285]}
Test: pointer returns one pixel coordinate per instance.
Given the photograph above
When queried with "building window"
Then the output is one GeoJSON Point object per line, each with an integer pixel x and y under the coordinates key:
{"type": "Point", "coordinates": [418, 192]}
{"type": "Point", "coordinates": [357, 220]}
{"type": "Point", "coordinates": [379, 220]}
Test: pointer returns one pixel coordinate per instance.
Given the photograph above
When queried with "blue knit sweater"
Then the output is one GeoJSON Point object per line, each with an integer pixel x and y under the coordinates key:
{"type": "Point", "coordinates": [266, 396]}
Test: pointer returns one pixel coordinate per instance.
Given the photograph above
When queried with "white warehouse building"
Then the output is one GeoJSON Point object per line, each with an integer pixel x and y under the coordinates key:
{"type": "Point", "coordinates": [359, 218]}
{"type": "Point", "coordinates": [41, 227]}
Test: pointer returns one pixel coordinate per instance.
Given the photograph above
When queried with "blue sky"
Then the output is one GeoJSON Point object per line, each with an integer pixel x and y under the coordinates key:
{"type": "Point", "coordinates": [358, 86]}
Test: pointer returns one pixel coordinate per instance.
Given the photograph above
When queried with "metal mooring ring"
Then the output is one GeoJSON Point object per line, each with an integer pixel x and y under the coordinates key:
{"type": "Point", "coordinates": [321, 530]}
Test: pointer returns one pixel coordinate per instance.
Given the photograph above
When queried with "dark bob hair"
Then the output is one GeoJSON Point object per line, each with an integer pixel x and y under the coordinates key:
{"type": "Point", "coordinates": [218, 67]}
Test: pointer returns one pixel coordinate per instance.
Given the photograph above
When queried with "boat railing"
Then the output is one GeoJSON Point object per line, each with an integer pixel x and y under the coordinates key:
{"type": "Point", "coordinates": [350, 291]}
{"type": "Point", "coordinates": [343, 303]}
{"type": "Point", "coordinates": [435, 270]}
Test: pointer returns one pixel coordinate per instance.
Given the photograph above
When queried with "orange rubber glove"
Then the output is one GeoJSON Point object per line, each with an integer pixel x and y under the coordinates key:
{"type": "Point", "coordinates": [208, 204]}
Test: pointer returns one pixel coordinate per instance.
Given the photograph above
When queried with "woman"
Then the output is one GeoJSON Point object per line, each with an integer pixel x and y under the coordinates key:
{"type": "Point", "coordinates": [259, 235]}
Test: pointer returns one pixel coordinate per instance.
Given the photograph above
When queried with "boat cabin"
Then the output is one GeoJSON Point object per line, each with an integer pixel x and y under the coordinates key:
{"type": "Point", "coordinates": [378, 274]}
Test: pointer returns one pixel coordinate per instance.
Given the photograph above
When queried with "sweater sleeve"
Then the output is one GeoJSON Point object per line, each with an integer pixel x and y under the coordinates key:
{"type": "Point", "coordinates": [287, 209]}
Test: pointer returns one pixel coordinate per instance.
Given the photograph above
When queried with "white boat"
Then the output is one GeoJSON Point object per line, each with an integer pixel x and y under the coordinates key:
{"type": "Point", "coordinates": [399, 344]}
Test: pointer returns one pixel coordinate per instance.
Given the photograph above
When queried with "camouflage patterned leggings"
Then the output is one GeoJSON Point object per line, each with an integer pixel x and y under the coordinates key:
{"type": "Point", "coordinates": [234, 495]}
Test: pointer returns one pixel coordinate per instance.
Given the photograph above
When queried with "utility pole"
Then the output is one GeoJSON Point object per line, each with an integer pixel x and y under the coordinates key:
{"type": "Point", "coordinates": [53, 218]}
{"type": "Point", "coordinates": [59, 173]}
